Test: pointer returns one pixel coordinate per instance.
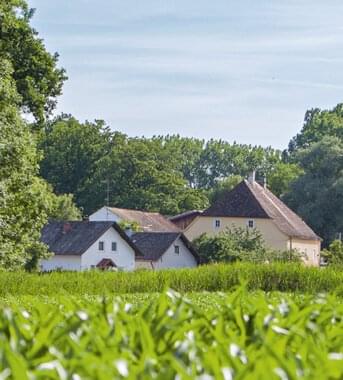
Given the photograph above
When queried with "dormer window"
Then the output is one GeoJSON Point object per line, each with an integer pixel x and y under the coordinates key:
{"type": "Point", "coordinates": [251, 223]}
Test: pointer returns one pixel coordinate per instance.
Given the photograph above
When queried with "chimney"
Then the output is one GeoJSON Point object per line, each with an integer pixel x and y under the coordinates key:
{"type": "Point", "coordinates": [251, 178]}
{"type": "Point", "coordinates": [66, 227]}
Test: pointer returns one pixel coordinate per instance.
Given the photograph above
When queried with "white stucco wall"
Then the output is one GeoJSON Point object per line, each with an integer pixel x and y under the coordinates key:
{"type": "Point", "coordinates": [170, 259]}
{"type": "Point", "coordinates": [104, 215]}
{"type": "Point", "coordinates": [64, 262]}
{"type": "Point", "coordinates": [124, 257]}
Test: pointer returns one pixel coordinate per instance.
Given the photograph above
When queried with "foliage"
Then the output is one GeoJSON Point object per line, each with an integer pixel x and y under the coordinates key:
{"type": "Point", "coordinates": [223, 186]}
{"type": "Point", "coordinates": [282, 176]}
{"type": "Point", "coordinates": [259, 336]}
{"type": "Point", "coordinates": [318, 193]}
{"type": "Point", "coordinates": [334, 253]}
{"type": "Point", "coordinates": [285, 277]}
{"type": "Point", "coordinates": [35, 73]}
{"type": "Point", "coordinates": [130, 225]}
{"type": "Point", "coordinates": [64, 208]}
{"type": "Point", "coordinates": [317, 125]}
{"type": "Point", "coordinates": [168, 174]}
{"type": "Point", "coordinates": [24, 198]}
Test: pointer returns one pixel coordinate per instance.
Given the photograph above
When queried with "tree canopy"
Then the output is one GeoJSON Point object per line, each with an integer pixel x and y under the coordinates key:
{"type": "Point", "coordinates": [317, 195]}
{"type": "Point", "coordinates": [36, 76]}
{"type": "Point", "coordinates": [169, 174]}
{"type": "Point", "coordinates": [25, 201]}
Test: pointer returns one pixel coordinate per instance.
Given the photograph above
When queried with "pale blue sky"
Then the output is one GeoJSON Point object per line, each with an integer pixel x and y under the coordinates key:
{"type": "Point", "coordinates": [237, 70]}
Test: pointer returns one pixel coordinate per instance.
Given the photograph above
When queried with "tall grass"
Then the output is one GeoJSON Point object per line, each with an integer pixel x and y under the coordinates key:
{"type": "Point", "coordinates": [273, 277]}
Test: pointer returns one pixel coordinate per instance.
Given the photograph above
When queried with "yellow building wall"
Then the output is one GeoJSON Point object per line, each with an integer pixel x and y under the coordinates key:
{"type": "Point", "coordinates": [272, 236]}
{"type": "Point", "coordinates": [310, 249]}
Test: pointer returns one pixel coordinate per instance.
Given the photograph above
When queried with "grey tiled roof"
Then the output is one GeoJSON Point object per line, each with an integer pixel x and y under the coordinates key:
{"type": "Point", "coordinates": [75, 237]}
{"type": "Point", "coordinates": [154, 244]}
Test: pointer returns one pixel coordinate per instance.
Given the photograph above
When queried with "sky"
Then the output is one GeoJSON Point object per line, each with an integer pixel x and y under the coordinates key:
{"type": "Point", "coordinates": [242, 71]}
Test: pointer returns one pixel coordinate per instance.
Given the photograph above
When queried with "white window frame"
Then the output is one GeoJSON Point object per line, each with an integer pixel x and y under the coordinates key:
{"type": "Point", "coordinates": [101, 244]}
{"type": "Point", "coordinates": [114, 243]}
{"type": "Point", "coordinates": [253, 223]}
{"type": "Point", "coordinates": [177, 249]}
{"type": "Point", "coordinates": [217, 223]}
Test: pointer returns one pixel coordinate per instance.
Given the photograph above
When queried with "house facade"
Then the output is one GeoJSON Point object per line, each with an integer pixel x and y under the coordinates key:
{"type": "Point", "coordinates": [87, 245]}
{"type": "Point", "coordinates": [162, 250]}
{"type": "Point", "coordinates": [252, 206]}
{"type": "Point", "coordinates": [84, 245]}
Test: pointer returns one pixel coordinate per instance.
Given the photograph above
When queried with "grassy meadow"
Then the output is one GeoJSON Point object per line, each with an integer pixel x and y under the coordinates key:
{"type": "Point", "coordinates": [239, 321]}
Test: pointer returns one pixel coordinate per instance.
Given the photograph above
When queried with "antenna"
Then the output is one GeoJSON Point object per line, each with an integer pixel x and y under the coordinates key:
{"type": "Point", "coordinates": [107, 181]}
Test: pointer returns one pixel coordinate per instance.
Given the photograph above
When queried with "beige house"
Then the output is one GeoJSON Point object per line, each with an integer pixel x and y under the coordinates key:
{"type": "Point", "coordinates": [251, 205]}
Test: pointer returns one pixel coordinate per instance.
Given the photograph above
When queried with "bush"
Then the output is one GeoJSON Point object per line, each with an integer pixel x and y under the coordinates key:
{"type": "Point", "coordinates": [240, 244]}
{"type": "Point", "coordinates": [334, 254]}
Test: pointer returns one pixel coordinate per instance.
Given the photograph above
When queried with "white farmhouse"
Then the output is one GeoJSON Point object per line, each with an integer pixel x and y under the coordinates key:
{"type": "Point", "coordinates": [85, 245]}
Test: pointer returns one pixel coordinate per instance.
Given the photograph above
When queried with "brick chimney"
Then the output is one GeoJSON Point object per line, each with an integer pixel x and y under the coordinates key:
{"type": "Point", "coordinates": [251, 177]}
{"type": "Point", "coordinates": [66, 227]}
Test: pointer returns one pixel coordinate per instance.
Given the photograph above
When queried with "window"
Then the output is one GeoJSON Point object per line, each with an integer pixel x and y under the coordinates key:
{"type": "Point", "coordinates": [251, 223]}
{"type": "Point", "coordinates": [176, 249]}
{"type": "Point", "coordinates": [114, 245]}
{"type": "Point", "coordinates": [101, 245]}
{"type": "Point", "coordinates": [217, 223]}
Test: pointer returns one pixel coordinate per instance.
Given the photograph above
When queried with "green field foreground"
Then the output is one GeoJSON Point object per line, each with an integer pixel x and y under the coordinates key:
{"type": "Point", "coordinates": [239, 321]}
{"type": "Point", "coordinates": [272, 277]}
{"type": "Point", "coordinates": [246, 336]}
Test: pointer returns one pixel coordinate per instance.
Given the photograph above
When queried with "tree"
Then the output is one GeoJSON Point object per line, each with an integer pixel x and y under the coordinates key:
{"type": "Point", "coordinates": [334, 253]}
{"type": "Point", "coordinates": [71, 150]}
{"type": "Point", "coordinates": [64, 208]}
{"type": "Point", "coordinates": [35, 73]}
{"type": "Point", "coordinates": [317, 194]}
{"type": "Point", "coordinates": [223, 186]}
{"type": "Point", "coordinates": [317, 125]}
{"type": "Point", "coordinates": [25, 200]}
{"type": "Point", "coordinates": [281, 177]}
{"type": "Point", "coordinates": [230, 245]}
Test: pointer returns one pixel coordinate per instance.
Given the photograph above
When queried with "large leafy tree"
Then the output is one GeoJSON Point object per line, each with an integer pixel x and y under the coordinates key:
{"type": "Point", "coordinates": [71, 150]}
{"type": "Point", "coordinates": [25, 201]}
{"type": "Point", "coordinates": [317, 195]}
{"type": "Point", "coordinates": [37, 78]}
{"type": "Point", "coordinates": [318, 124]}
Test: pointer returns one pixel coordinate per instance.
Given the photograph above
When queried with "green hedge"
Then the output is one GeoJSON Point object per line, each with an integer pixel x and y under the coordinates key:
{"type": "Point", "coordinates": [223, 277]}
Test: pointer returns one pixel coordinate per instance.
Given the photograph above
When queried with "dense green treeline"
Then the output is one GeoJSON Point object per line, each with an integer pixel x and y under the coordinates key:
{"type": "Point", "coordinates": [169, 174]}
